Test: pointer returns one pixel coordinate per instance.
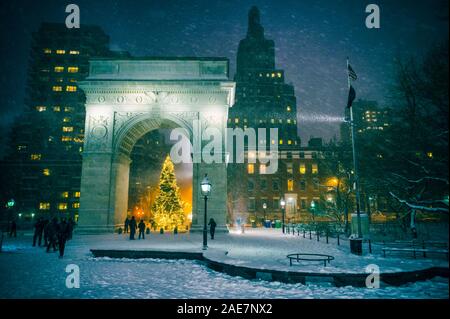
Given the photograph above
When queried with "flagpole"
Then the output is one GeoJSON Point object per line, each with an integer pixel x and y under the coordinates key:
{"type": "Point", "coordinates": [355, 165]}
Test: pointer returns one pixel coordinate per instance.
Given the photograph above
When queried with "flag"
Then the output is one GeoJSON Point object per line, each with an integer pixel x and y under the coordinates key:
{"type": "Point", "coordinates": [351, 97]}
{"type": "Point", "coordinates": [351, 74]}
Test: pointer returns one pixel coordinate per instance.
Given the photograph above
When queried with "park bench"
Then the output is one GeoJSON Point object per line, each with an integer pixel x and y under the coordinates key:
{"type": "Point", "coordinates": [415, 247]}
{"type": "Point", "coordinates": [310, 257]}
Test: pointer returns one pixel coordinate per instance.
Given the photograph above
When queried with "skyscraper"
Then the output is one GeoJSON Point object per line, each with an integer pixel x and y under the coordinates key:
{"type": "Point", "coordinates": [47, 140]}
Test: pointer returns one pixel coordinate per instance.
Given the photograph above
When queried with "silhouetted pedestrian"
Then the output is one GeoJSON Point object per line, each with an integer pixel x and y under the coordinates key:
{"type": "Point", "coordinates": [13, 229]}
{"type": "Point", "coordinates": [52, 234]}
{"type": "Point", "coordinates": [63, 234]}
{"type": "Point", "coordinates": [141, 227]}
{"type": "Point", "coordinates": [133, 227]}
{"type": "Point", "coordinates": [212, 227]}
{"type": "Point", "coordinates": [126, 225]}
{"type": "Point", "coordinates": [45, 227]}
{"type": "Point", "coordinates": [38, 230]}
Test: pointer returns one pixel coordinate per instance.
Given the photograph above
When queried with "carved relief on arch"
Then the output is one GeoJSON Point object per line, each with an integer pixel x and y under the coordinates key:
{"type": "Point", "coordinates": [98, 133]}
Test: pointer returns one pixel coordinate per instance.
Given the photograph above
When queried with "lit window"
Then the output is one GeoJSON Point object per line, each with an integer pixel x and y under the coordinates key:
{"type": "Point", "coordinates": [302, 168]}
{"type": "Point", "coordinates": [262, 169]}
{"type": "Point", "coordinates": [74, 52]}
{"type": "Point", "coordinates": [57, 88]}
{"type": "Point", "coordinates": [44, 206]}
{"type": "Point", "coordinates": [76, 194]}
{"type": "Point", "coordinates": [289, 142]}
{"type": "Point", "coordinates": [47, 51]}
{"type": "Point", "coordinates": [281, 142]}
{"type": "Point", "coordinates": [60, 51]}
{"type": "Point", "coordinates": [21, 147]}
{"type": "Point", "coordinates": [72, 69]}
{"type": "Point", "coordinates": [66, 138]}
{"type": "Point", "coordinates": [59, 69]}
{"type": "Point", "coordinates": [62, 206]}
{"type": "Point", "coordinates": [272, 121]}
{"type": "Point", "coordinates": [273, 75]}
{"type": "Point", "coordinates": [73, 81]}
{"type": "Point", "coordinates": [290, 185]}
{"type": "Point", "coordinates": [46, 172]}
{"type": "Point", "coordinates": [35, 157]}
{"type": "Point", "coordinates": [78, 140]}
{"type": "Point", "coordinates": [65, 194]}
{"type": "Point", "coordinates": [236, 120]}
{"type": "Point", "coordinates": [314, 169]}
{"type": "Point", "coordinates": [41, 108]}
{"type": "Point", "coordinates": [56, 109]}
{"type": "Point", "coordinates": [66, 119]}
{"type": "Point", "coordinates": [430, 155]}
{"type": "Point", "coordinates": [71, 88]}
{"type": "Point", "coordinates": [76, 205]}
{"type": "Point", "coordinates": [251, 168]}
{"type": "Point", "coordinates": [68, 109]}
{"type": "Point", "coordinates": [279, 74]}
{"type": "Point", "coordinates": [67, 129]}
{"type": "Point", "coordinates": [288, 121]}
{"type": "Point", "coordinates": [288, 108]}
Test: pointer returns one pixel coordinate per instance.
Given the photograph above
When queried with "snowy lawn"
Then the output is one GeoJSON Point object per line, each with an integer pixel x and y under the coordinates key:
{"type": "Point", "coordinates": [29, 272]}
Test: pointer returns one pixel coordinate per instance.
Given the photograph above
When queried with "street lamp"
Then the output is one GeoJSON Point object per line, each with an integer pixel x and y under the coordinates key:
{"type": "Point", "coordinates": [206, 190]}
{"type": "Point", "coordinates": [264, 208]}
{"type": "Point", "coordinates": [283, 205]}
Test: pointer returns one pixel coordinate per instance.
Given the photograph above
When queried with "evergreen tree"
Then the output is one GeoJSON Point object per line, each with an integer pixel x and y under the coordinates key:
{"type": "Point", "coordinates": [168, 207]}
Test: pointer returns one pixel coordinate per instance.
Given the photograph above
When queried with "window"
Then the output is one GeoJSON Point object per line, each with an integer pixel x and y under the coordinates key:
{"type": "Point", "coordinates": [59, 69]}
{"type": "Point", "coordinates": [71, 88]}
{"type": "Point", "coordinates": [302, 185]}
{"type": "Point", "coordinates": [314, 168]}
{"type": "Point", "coordinates": [66, 119]}
{"type": "Point", "coordinates": [74, 52]}
{"type": "Point", "coordinates": [251, 168]}
{"type": "Point", "coordinates": [290, 185]}
{"type": "Point", "coordinates": [57, 109]}
{"type": "Point", "coordinates": [263, 184]}
{"type": "Point", "coordinates": [288, 108]}
{"type": "Point", "coordinates": [67, 129]}
{"type": "Point", "coordinates": [35, 157]}
{"type": "Point", "coordinates": [236, 120]}
{"type": "Point", "coordinates": [46, 172]}
{"type": "Point", "coordinates": [44, 206]}
{"type": "Point", "coordinates": [250, 185]}
{"type": "Point", "coordinates": [302, 168]}
{"type": "Point", "coordinates": [72, 69]}
{"type": "Point", "coordinates": [262, 169]}
{"type": "Point", "coordinates": [57, 88]}
{"type": "Point", "coordinates": [289, 169]}
{"type": "Point", "coordinates": [66, 138]}
{"type": "Point", "coordinates": [76, 205]}
{"type": "Point", "coordinates": [275, 184]}
{"type": "Point", "coordinates": [281, 142]}
{"type": "Point", "coordinates": [68, 109]}
{"type": "Point", "coordinates": [60, 51]}
{"type": "Point", "coordinates": [276, 203]}
{"type": "Point", "coordinates": [302, 155]}
{"type": "Point", "coordinates": [62, 206]}
{"type": "Point", "coordinates": [289, 142]}
{"type": "Point", "coordinates": [76, 194]}
{"type": "Point", "coordinates": [41, 108]}
{"type": "Point", "coordinates": [47, 51]}
{"type": "Point", "coordinates": [430, 154]}
{"type": "Point", "coordinates": [303, 203]}
{"type": "Point", "coordinates": [251, 204]}
{"type": "Point", "coordinates": [65, 194]}
{"type": "Point", "coordinates": [316, 184]}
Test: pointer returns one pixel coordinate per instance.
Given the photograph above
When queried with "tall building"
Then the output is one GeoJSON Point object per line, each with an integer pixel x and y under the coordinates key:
{"type": "Point", "coordinates": [47, 140]}
{"type": "Point", "coordinates": [264, 100]}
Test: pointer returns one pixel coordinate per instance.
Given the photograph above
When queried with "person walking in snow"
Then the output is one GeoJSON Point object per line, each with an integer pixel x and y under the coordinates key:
{"type": "Point", "coordinates": [38, 230]}
{"type": "Point", "coordinates": [45, 229]}
{"type": "Point", "coordinates": [212, 227]}
{"type": "Point", "coordinates": [71, 226]}
{"type": "Point", "coordinates": [133, 227]}
{"type": "Point", "coordinates": [126, 224]}
{"type": "Point", "coordinates": [141, 227]}
{"type": "Point", "coordinates": [52, 234]}
{"type": "Point", "coordinates": [13, 229]}
{"type": "Point", "coordinates": [63, 234]}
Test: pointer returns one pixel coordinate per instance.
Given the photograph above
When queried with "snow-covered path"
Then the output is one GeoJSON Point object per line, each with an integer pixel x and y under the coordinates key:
{"type": "Point", "coordinates": [27, 272]}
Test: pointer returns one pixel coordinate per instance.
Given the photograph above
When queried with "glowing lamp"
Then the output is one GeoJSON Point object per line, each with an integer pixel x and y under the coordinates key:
{"type": "Point", "coordinates": [205, 186]}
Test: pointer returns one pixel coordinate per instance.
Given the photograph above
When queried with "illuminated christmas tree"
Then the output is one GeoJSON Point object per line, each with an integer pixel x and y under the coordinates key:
{"type": "Point", "coordinates": [168, 207]}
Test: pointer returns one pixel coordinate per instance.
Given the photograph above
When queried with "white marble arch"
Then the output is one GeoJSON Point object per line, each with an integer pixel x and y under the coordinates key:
{"type": "Point", "coordinates": [126, 99]}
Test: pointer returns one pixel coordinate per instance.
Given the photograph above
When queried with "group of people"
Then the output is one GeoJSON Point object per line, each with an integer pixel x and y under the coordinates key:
{"type": "Point", "coordinates": [54, 233]}
{"type": "Point", "coordinates": [131, 225]}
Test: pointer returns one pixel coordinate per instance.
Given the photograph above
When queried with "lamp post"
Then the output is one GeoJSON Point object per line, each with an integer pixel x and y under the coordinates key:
{"type": "Point", "coordinates": [283, 205]}
{"type": "Point", "coordinates": [264, 208]}
{"type": "Point", "coordinates": [206, 190]}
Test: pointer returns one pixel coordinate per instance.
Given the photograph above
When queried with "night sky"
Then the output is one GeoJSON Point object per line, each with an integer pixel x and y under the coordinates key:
{"type": "Point", "coordinates": [312, 41]}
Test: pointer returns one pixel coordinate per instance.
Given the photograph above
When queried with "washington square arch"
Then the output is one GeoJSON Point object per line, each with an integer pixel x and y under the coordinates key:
{"type": "Point", "coordinates": [125, 99]}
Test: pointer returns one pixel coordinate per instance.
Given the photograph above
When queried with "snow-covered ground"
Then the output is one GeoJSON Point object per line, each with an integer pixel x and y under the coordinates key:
{"type": "Point", "coordinates": [28, 272]}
